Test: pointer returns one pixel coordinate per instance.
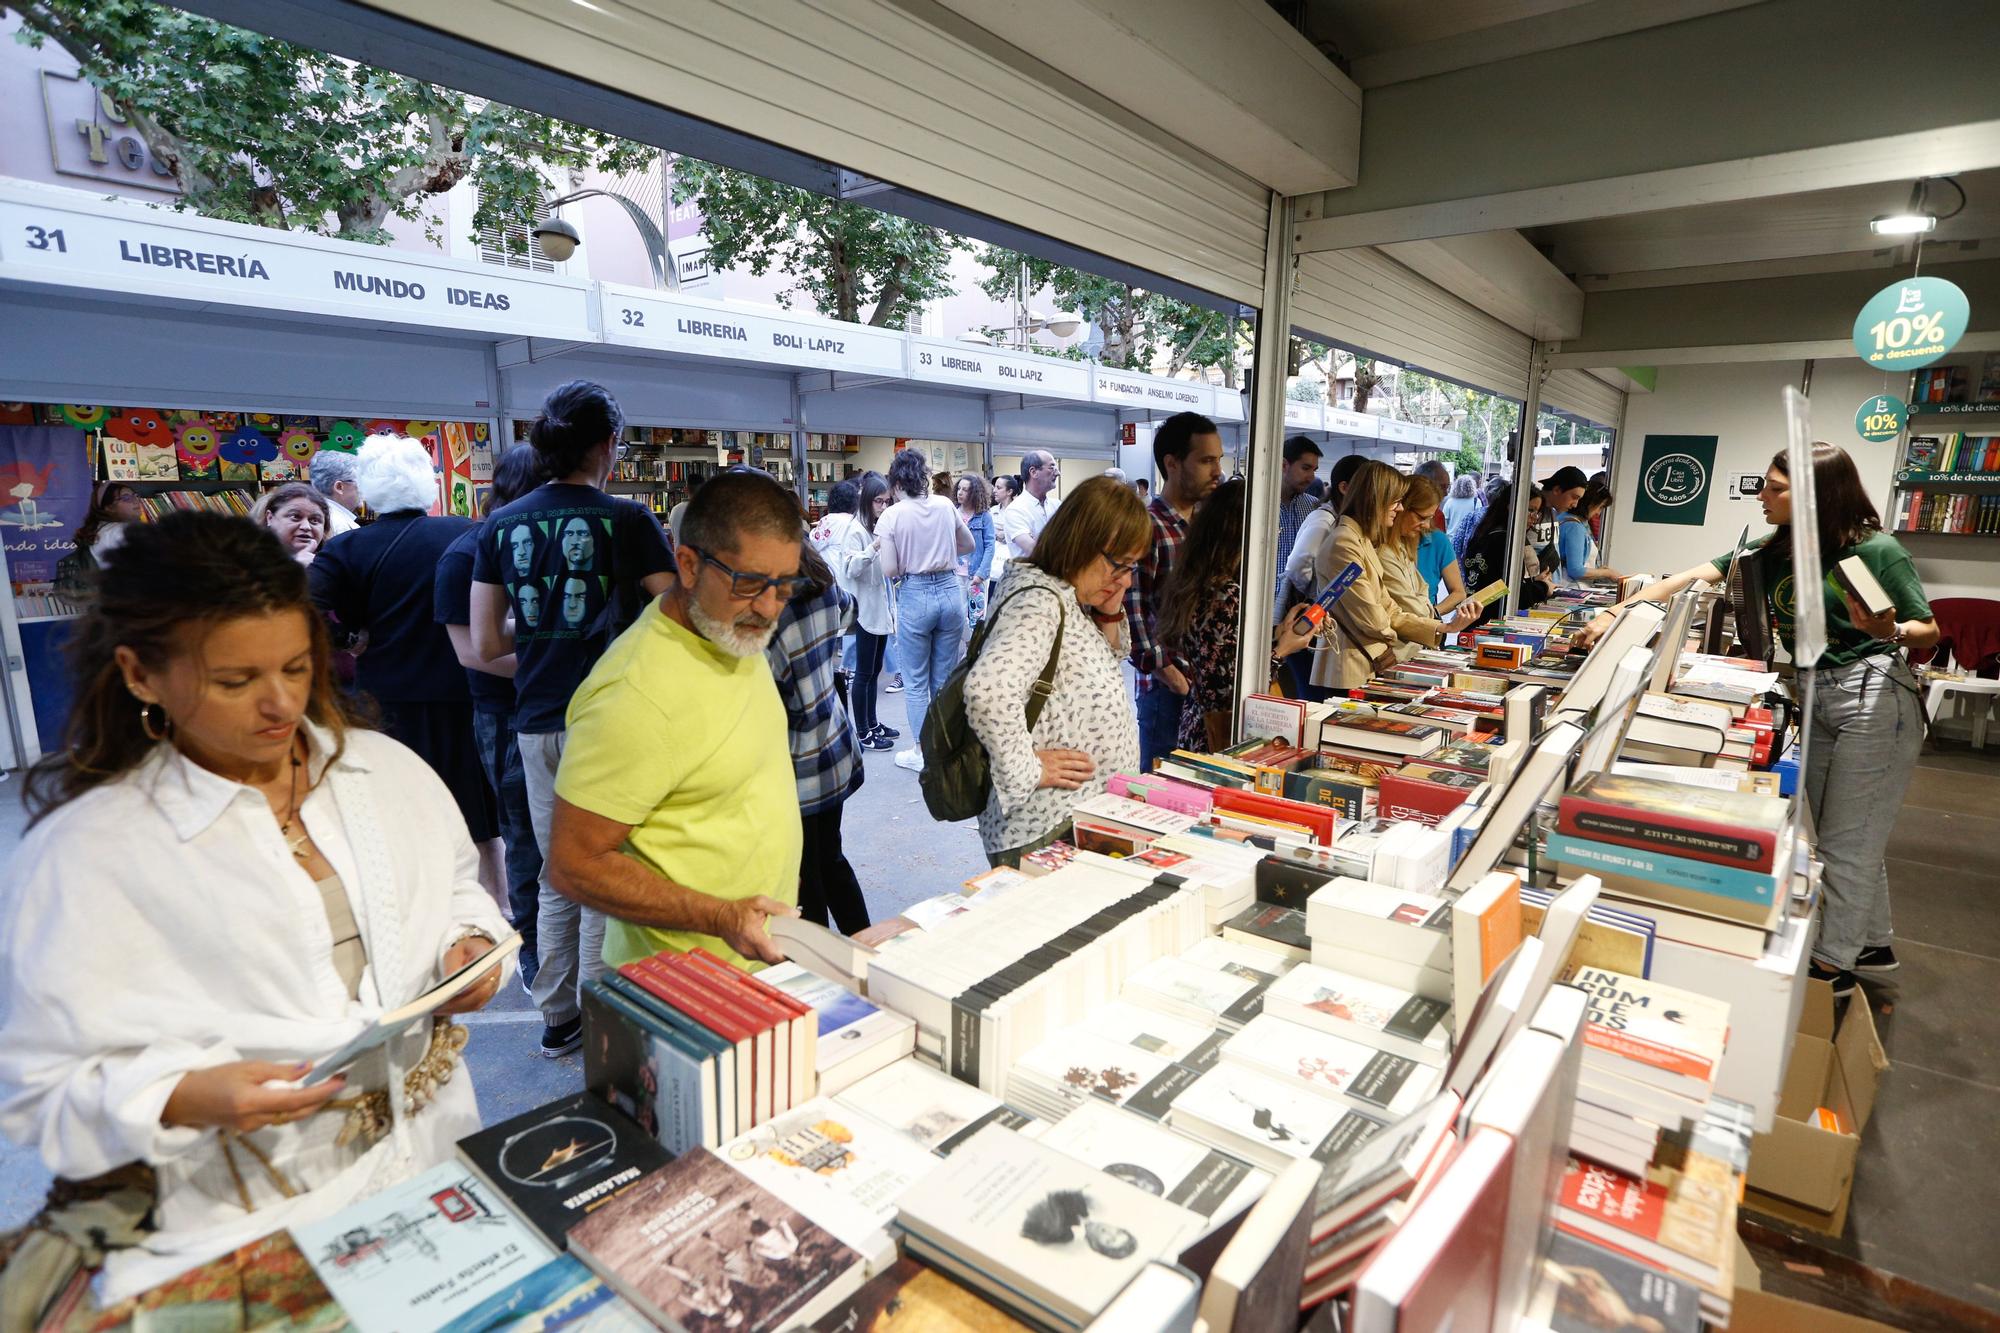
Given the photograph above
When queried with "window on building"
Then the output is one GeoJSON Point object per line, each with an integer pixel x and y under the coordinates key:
{"type": "Point", "coordinates": [514, 245]}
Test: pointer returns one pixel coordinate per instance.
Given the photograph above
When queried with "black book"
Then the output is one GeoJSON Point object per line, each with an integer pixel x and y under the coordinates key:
{"type": "Point", "coordinates": [1282, 882]}
{"type": "Point", "coordinates": [558, 1163]}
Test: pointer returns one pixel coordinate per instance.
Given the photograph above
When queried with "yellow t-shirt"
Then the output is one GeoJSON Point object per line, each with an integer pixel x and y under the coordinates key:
{"type": "Point", "coordinates": [687, 744]}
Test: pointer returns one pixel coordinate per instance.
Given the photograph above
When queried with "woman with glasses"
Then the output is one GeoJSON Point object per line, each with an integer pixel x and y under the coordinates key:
{"type": "Point", "coordinates": [1068, 596]}
{"type": "Point", "coordinates": [919, 542]}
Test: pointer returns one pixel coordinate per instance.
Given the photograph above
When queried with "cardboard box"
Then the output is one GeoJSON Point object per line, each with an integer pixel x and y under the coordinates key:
{"type": "Point", "coordinates": [1801, 1171]}
{"type": "Point", "coordinates": [1765, 1313]}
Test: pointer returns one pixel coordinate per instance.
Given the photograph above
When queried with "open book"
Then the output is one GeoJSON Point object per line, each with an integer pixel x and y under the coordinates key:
{"type": "Point", "coordinates": [397, 1020]}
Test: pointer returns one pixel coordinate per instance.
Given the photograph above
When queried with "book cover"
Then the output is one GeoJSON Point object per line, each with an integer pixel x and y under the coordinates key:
{"type": "Point", "coordinates": [1067, 1237]}
{"type": "Point", "coordinates": [1275, 1119]}
{"type": "Point", "coordinates": [1332, 1066]}
{"type": "Point", "coordinates": [1268, 925]}
{"type": "Point", "coordinates": [1254, 1285]}
{"type": "Point", "coordinates": [1152, 1157]}
{"type": "Point", "coordinates": [1385, 734]}
{"type": "Point", "coordinates": [847, 1023]}
{"type": "Point", "coordinates": [1367, 1006]}
{"type": "Point", "coordinates": [1587, 1289]}
{"type": "Point", "coordinates": [417, 1255]}
{"type": "Point", "coordinates": [266, 1284]}
{"type": "Point", "coordinates": [1423, 793]}
{"type": "Point", "coordinates": [1441, 1268]}
{"type": "Point", "coordinates": [1387, 1166]}
{"type": "Point", "coordinates": [700, 1246]}
{"type": "Point", "coordinates": [823, 1148]}
{"type": "Point", "coordinates": [933, 1108]}
{"type": "Point", "coordinates": [561, 1294]}
{"type": "Point", "coordinates": [910, 1296]}
{"type": "Point", "coordinates": [557, 1163]}
{"type": "Point", "coordinates": [1702, 823]}
{"type": "Point", "coordinates": [1734, 891]}
{"type": "Point", "coordinates": [1685, 1223]}
{"type": "Point", "coordinates": [1657, 1025]}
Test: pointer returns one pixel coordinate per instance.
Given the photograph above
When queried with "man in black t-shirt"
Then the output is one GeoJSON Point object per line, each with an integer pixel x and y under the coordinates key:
{"type": "Point", "coordinates": [571, 566]}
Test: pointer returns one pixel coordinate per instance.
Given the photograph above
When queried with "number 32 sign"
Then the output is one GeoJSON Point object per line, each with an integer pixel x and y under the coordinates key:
{"type": "Point", "coordinates": [1910, 324]}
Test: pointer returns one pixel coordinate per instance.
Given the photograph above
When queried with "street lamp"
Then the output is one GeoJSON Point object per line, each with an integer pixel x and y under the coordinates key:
{"type": "Point", "coordinates": [559, 239]}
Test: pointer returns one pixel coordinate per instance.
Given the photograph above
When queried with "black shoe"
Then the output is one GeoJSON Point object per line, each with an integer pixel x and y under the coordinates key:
{"type": "Point", "coordinates": [1839, 978]}
{"type": "Point", "coordinates": [1877, 958]}
{"type": "Point", "coordinates": [890, 732]}
{"type": "Point", "coordinates": [562, 1039]}
{"type": "Point", "coordinates": [875, 740]}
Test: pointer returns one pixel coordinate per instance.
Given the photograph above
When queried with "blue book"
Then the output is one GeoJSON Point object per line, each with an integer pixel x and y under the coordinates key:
{"type": "Point", "coordinates": [561, 1294]}
{"type": "Point", "coordinates": [1678, 872]}
{"type": "Point", "coordinates": [650, 1071]}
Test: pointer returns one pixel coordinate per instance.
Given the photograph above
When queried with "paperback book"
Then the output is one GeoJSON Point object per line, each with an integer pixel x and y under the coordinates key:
{"type": "Point", "coordinates": [1154, 1158]}
{"type": "Point", "coordinates": [558, 1163]}
{"type": "Point", "coordinates": [1372, 1081]}
{"type": "Point", "coordinates": [1365, 1011]}
{"type": "Point", "coordinates": [934, 1109]}
{"type": "Point", "coordinates": [1268, 1120]}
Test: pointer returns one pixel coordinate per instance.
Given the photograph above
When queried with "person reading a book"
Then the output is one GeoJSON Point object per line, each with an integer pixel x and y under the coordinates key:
{"type": "Point", "coordinates": [225, 879]}
{"type": "Point", "coordinates": [676, 815]}
{"type": "Point", "coordinates": [1867, 710]}
{"type": "Point", "coordinates": [1417, 560]}
{"type": "Point", "coordinates": [1372, 630]}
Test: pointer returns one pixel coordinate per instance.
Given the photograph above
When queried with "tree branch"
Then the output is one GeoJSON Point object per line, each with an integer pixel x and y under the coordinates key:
{"type": "Point", "coordinates": [892, 293]}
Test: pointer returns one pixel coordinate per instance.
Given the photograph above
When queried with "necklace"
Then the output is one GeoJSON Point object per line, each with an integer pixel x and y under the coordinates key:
{"type": "Point", "coordinates": [298, 843]}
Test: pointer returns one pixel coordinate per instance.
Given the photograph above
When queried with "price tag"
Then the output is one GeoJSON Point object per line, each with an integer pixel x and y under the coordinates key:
{"type": "Point", "coordinates": [1910, 324]}
{"type": "Point", "coordinates": [1881, 419]}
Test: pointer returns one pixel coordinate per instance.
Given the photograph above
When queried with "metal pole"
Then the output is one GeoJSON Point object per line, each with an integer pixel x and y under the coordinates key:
{"type": "Point", "coordinates": [1261, 470]}
{"type": "Point", "coordinates": [799, 482]}
{"type": "Point", "coordinates": [1524, 471]}
{"type": "Point", "coordinates": [986, 441]}
{"type": "Point", "coordinates": [1611, 468]}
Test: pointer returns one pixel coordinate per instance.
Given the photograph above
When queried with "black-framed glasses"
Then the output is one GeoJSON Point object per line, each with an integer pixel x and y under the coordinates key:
{"type": "Point", "coordinates": [620, 454]}
{"type": "Point", "coordinates": [1119, 568]}
{"type": "Point", "coordinates": [744, 587]}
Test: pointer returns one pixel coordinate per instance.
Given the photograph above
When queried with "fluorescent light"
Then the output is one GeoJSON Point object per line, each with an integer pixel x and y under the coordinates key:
{"type": "Point", "coordinates": [1903, 224]}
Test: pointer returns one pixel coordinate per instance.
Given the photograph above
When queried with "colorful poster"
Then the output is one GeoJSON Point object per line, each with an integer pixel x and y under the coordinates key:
{"type": "Point", "coordinates": [1674, 476]}
{"type": "Point", "coordinates": [44, 496]}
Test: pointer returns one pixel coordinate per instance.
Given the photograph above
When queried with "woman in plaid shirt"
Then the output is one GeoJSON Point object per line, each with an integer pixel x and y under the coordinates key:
{"type": "Point", "coordinates": [803, 652]}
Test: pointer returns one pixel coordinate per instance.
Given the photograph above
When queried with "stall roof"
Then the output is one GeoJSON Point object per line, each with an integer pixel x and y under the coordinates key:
{"type": "Point", "coordinates": [67, 241]}
{"type": "Point", "coordinates": [1338, 423]}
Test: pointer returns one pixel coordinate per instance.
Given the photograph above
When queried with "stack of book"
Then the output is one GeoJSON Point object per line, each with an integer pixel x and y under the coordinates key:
{"type": "Point", "coordinates": [855, 1038]}
{"type": "Point", "coordinates": [1216, 1185]}
{"type": "Point", "coordinates": [1680, 1222]}
{"type": "Point", "coordinates": [1215, 982]}
{"type": "Point", "coordinates": [1650, 1056]}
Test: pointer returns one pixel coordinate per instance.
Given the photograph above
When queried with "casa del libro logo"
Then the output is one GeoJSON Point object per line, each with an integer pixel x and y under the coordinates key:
{"type": "Point", "coordinates": [1673, 480]}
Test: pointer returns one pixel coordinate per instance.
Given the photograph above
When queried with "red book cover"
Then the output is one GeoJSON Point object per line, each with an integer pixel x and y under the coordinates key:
{"type": "Point", "coordinates": [1441, 1268]}
{"type": "Point", "coordinates": [685, 994]}
{"type": "Point", "coordinates": [762, 1025]}
{"type": "Point", "coordinates": [789, 1017]}
{"type": "Point", "coordinates": [1634, 1208]}
{"type": "Point", "coordinates": [1722, 828]}
{"type": "Point", "coordinates": [1321, 820]}
{"type": "Point", "coordinates": [1422, 793]}
{"type": "Point", "coordinates": [750, 979]}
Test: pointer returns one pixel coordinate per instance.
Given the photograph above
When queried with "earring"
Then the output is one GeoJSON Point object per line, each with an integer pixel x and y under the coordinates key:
{"type": "Point", "coordinates": [166, 727]}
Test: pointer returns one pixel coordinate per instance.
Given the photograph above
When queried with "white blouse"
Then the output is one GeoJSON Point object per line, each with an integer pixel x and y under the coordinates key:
{"type": "Point", "coordinates": [859, 570]}
{"type": "Point", "coordinates": [1089, 710]}
{"type": "Point", "coordinates": [159, 924]}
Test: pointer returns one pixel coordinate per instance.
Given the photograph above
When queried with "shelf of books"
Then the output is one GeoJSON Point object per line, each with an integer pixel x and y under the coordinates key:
{"type": "Point", "coordinates": [1947, 481]}
{"type": "Point", "coordinates": [664, 465]}
{"type": "Point", "coordinates": [1460, 1002]}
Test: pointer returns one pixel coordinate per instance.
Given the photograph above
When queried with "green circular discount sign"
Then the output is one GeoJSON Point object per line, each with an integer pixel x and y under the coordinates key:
{"type": "Point", "coordinates": [1881, 419]}
{"type": "Point", "coordinates": [1910, 324]}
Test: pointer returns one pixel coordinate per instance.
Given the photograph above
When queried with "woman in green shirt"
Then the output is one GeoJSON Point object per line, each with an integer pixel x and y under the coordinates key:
{"type": "Point", "coordinates": [1867, 717]}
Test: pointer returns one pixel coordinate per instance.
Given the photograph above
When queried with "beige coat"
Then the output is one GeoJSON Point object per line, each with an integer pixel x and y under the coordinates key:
{"type": "Point", "coordinates": [1368, 619]}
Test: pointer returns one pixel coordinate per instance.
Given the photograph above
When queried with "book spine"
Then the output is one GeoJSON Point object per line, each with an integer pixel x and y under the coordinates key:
{"type": "Point", "coordinates": [1747, 849]}
{"type": "Point", "coordinates": [768, 1072]}
{"type": "Point", "coordinates": [1678, 872]}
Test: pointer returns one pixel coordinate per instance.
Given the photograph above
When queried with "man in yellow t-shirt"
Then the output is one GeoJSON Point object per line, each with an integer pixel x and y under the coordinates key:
{"type": "Point", "coordinates": [676, 813]}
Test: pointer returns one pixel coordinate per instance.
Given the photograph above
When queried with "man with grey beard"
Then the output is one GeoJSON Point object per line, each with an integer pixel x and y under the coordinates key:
{"type": "Point", "coordinates": [676, 814]}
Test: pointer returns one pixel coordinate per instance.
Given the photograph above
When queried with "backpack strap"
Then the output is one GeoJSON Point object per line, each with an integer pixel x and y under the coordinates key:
{"type": "Point", "coordinates": [1045, 684]}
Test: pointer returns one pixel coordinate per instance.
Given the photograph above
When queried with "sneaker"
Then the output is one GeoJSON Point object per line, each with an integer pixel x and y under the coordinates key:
{"type": "Point", "coordinates": [1842, 981]}
{"type": "Point", "coordinates": [875, 740]}
{"type": "Point", "coordinates": [889, 732]}
{"type": "Point", "coordinates": [912, 759]}
{"type": "Point", "coordinates": [561, 1039]}
{"type": "Point", "coordinates": [894, 685]}
{"type": "Point", "coordinates": [1876, 958]}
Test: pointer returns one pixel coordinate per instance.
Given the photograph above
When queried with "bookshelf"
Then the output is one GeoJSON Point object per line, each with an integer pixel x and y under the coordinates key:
{"type": "Point", "coordinates": [664, 465]}
{"type": "Point", "coordinates": [1946, 481]}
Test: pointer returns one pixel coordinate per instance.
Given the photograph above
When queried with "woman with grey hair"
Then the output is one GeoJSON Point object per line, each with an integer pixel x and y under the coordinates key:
{"type": "Point", "coordinates": [380, 580]}
{"type": "Point", "coordinates": [332, 475]}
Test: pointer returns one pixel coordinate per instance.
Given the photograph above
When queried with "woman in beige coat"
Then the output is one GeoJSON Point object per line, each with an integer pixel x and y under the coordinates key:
{"type": "Point", "coordinates": [1373, 630]}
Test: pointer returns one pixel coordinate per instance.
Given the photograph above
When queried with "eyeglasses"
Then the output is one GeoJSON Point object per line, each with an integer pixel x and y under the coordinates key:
{"type": "Point", "coordinates": [744, 587]}
{"type": "Point", "coordinates": [619, 455]}
{"type": "Point", "coordinates": [1119, 568]}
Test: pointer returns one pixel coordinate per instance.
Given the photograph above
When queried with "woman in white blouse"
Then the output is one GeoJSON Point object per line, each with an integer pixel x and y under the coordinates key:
{"type": "Point", "coordinates": [224, 881]}
{"type": "Point", "coordinates": [1074, 582]}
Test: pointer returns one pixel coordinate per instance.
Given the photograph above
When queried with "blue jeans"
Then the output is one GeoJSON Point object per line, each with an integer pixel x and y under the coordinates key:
{"type": "Point", "coordinates": [501, 757]}
{"type": "Point", "coordinates": [1159, 723]}
{"type": "Point", "coordinates": [930, 622]}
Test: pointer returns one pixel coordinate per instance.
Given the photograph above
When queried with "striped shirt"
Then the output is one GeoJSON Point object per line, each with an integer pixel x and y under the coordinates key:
{"type": "Point", "coordinates": [803, 653]}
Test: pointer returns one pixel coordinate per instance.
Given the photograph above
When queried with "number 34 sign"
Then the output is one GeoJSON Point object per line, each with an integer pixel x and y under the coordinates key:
{"type": "Point", "coordinates": [1910, 324]}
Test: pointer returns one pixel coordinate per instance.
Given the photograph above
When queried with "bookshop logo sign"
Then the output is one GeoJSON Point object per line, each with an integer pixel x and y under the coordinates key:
{"type": "Point", "coordinates": [1910, 324]}
{"type": "Point", "coordinates": [1674, 475]}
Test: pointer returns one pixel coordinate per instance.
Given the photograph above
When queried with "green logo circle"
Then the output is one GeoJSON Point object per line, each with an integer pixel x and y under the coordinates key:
{"type": "Point", "coordinates": [1909, 324]}
{"type": "Point", "coordinates": [1881, 419]}
{"type": "Point", "coordinates": [1674, 480]}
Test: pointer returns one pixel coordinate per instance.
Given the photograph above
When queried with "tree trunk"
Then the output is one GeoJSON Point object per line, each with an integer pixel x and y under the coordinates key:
{"type": "Point", "coordinates": [891, 299]}
{"type": "Point", "coordinates": [847, 303]}
{"type": "Point", "coordinates": [1365, 380]}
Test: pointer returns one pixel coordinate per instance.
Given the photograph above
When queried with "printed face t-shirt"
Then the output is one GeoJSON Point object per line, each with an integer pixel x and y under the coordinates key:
{"type": "Point", "coordinates": [565, 553]}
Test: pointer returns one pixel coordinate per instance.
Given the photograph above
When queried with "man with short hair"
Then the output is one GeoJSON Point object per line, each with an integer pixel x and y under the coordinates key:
{"type": "Point", "coordinates": [1187, 451]}
{"type": "Point", "coordinates": [1023, 520]}
{"type": "Point", "coordinates": [332, 475]}
{"type": "Point", "coordinates": [676, 813]}
{"type": "Point", "coordinates": [1294, 503]}
{"type": "Point", "coordinates": [1563, 489]}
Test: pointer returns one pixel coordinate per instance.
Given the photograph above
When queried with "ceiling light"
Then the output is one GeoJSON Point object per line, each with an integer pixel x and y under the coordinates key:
{"type": "Point", "coordinates": [1915, 220]}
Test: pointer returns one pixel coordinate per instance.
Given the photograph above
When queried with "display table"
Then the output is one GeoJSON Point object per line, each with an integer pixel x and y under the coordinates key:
{"type": "Point", "coordinates": [1977, 691]}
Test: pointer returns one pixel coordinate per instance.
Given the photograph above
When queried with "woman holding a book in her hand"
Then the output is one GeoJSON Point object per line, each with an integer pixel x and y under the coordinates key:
{"type": "Point", "coordinates": [224, 880]}
{"type": "Point", "coordinates": [1867, 716]}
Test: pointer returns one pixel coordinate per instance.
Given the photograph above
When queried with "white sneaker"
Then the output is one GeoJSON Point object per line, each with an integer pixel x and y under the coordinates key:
{"type": "Point", "coordinates": [912, 759]}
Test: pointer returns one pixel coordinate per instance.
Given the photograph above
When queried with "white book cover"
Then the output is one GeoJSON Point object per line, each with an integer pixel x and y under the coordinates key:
{"type": "Point", "coordinates": [932, 1107]}
{"type": "Point", "coordinates": [1065, 1234]}
{"type": "Point", "coordinates": [1180, 1039]}
{"type": "Point", "coordinates": [1381, 1083]}
{"type": "Point", "coordinates": [1243, 960]}
{"type": "Point", "coordinates": [1076, 1065]}
{"type": "Point", "coordinates": [1385, 1166]}
{"type": "Point", "coordinates": [419, 1254]}
{"type": "Point", "coordinates": [1368, 1007]}
{"type": "Point", "coordinates": [825, 1149]}
{"type": "Point", "coordinates": [1278, 1118]}
{"type": "Point", "coordinates": [1224, 995]}
{"type": "Point", "coordinates": [1155, 819]}
{"type": "Point", "coordinates": [1155, 1159]}
{"type": "Point", "coordinates": [1652, 1025]}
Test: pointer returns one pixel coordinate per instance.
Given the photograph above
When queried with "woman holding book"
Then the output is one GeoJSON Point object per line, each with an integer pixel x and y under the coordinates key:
{"type": "Point", "coordinates": [1867, 710]}
{"type": "Point", "coordinates": [223, 880]}
{"type": "Point", "coordinates": [1068, 596]}
{"type": "Point", "coordinates": [1374, 630]}
{"type": "Point", "coordinates": [1418, 559]}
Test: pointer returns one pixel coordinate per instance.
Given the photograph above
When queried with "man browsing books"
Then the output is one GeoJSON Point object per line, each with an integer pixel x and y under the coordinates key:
{"type": "Point", "coordinates": [676, 814]}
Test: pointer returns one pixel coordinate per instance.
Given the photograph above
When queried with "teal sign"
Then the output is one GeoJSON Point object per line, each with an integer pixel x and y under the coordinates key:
{"type": "Point", "coordinates": [1674, 476]}
{"type": "Point", "coordinates": [1881, 419]}
{"type": "Point", "coordinates": [1909, 324]}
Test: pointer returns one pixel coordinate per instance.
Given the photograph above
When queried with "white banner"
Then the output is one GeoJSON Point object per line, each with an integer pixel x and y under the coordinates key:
{"type": "Point", "coordinates": [1353, 425]}
{"type": "Point", "coordinates": [642, 317]}
{"type": "Point", "coordinates": [1304, 416]}
{"type": "Point", "coordinates": [1398, 432]}
{"type": "Point", "coordinates": [52, 236]}
{"type": "Point", "coordinates": [1154, 393]}
{"type": "Point", "coordinates": [940, 361]}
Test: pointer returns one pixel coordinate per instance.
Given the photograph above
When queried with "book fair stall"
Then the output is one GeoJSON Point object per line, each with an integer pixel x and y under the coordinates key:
{"type": "Point", "coordinates": [1476, 1000]}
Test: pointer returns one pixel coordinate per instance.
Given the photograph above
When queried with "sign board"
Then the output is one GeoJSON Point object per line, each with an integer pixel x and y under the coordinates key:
{"type": "Point", "coordinates": [1444, 441]}
{"type": "Point", "coordinates": [1746, 485]}
{"type": "Point", "coordinates": [89, 137]}
{"type": "Point", "coordinates": [1229, 404]}
{"type": "Point", "coordinates": [941, 361]}
{"type": "Point", "coordinates": [1154, 393]}
{"type": "Point", "coordinates": [1674, 476]}
{"type": "Point", "coordinates": [1304, 416]}
{"type": "Point", "coordinates": [60, 237]}
{"type": "Point", "coordinates": [1909, 324]}
{"type": "Point", "coordinates": [1353, 425]}
{"type": "Point", "coordinates": [1881, 419]}
{"type": "Point", "coordinates": [642, 317]}
{"type": "Point", "coordinates": [1398, 432]}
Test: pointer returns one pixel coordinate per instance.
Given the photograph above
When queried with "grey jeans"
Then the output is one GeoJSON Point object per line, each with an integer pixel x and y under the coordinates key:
{"type": "Point", "coordinates": [1867, 728]}
{"type": "Point", "coordinates": [569, 937]}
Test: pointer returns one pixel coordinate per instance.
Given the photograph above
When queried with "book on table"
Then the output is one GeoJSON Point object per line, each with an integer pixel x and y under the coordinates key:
{"type": "Point", "coordinates": [1683, 1224]}
{"type": "Point", "coordinates": [1745, 897]}
{"type": "Point", "coordinates": [908, 1294]}
{"type": "Point", "coordinates": [1586, 1288]}
{"type": "Point", "coordinates": [1730, 828]}
{"type": "Point", "coordinates": [933, 1108]}
{"type": "Point", "coordinates": [1652, 1033]}
{"type": "Point", "coordinates": [1369, 1012]}
{"type": "Point", "coordinates": [1382, 735]}
{"type": "Point", "coordinates": [1280, 930]}
{"type": "Point", "coordinates": [266, 1284]}
{"type": "Point", "coordinates": [558, 1163]}
{"type": "Point", "coordinates": [1386, 1168]}
{"type": "Point", "coordinates": [673, 1039]}
{"type": "Point", "coordinates": [1397, 936]}
{"type": "Point", "coordinates": [1037, 1230]}
{"type": "Point", "coordinates": [1485, 931]}
{"type": "Point", "coordinates": [1254, 1285]}
{"type": "Point", "coordinates": [1441, 1267]}
{"type": "Point", "coordinates": [855, 1039]}
{"type": "Point", "coordinates": [1268, 1120]}
{"type": "Point", "coordinates": [1156, 1159]}
{"type": "Point", "coordinates": [1524, 1097]}
{"type": "Point", "coordinates": [561, 1294]}
{"type": "Point", "coordinates": [698, 1245]}
{"type": "Point", "coordinates": [1349, 1072]}
{"type": "Point", "coordinates": [1076, 1065]}
{"type": "Point", "coordinates": [385, 1026]}
{"type": "Point", "coordinates": [420, 1253]}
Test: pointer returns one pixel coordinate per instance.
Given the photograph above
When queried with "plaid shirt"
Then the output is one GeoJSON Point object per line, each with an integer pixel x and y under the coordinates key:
{"type": "Point", "coordinates": [1290, 516]}
{"type": "Point", "coordinates": [803, 654]}
{"type": "Point", "coordinates": [1142, 599]}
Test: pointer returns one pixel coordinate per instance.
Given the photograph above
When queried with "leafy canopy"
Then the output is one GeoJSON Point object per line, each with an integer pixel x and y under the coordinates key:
{"type": "Point", "coordinates": [1140, 329]}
